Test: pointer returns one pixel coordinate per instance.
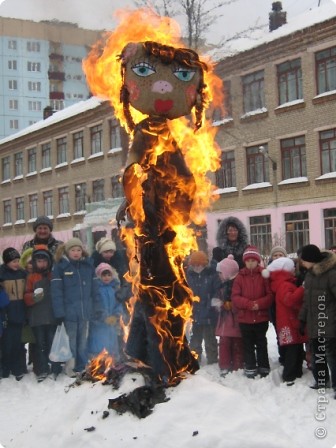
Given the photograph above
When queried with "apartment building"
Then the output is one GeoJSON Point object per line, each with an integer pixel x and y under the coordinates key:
{"type": "Point", "coordinates": [278, 140]}
{"type": "Point", "coordinates": [40, 65]}
{"type": "Point", "coordinates": [67, 167]}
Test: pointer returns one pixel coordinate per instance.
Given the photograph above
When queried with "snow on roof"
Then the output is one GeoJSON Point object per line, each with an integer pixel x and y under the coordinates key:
{"type": "Point", "coordinates": [75, 109]}
{"type": "Point", "coordinates": [259, 37]}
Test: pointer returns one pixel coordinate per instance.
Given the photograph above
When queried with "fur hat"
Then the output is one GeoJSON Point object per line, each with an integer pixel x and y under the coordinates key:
{"type": "Point", "coordinates": [105, 267]}
{"type": "Point", "coordinates": [10, 254]}
{"type": "Point", "coordinates": [280, 264]}
{"type": "Point", "coordinates": [280, 249]}
{"type": "Point", "coordinates": [228, 267]}
{"type": "Point", "coordinates": [43, 221]}
{"type": "Point", "coordinates": [198, 258]}
{"type": "Point", "coordinates": [311, 253]}
{"type": "Point", "coordinates": [251, 252]}
{"type": "Point", "coordinates": [105, 244]}
{"type": "Point", "coordinates": [73, 242]}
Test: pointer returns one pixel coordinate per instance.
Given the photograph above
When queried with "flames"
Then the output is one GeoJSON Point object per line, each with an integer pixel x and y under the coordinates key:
{"type": "Point", "coordinates": [200, 151]}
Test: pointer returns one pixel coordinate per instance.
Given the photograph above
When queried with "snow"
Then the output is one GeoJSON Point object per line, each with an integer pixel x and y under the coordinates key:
{"type": "Point", "coordinates": [203, 411]}
{"type": "Point", "coordinates": [225, 190]}
{"type": "Point", "coordinates": [257, 185]}
{"type": "Point", "coordinates": [330, 175]}
{"type": "Point", "coordinates": [294, 180]}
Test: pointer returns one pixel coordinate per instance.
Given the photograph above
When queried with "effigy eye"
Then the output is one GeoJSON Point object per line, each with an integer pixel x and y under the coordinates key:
{"type": "Point", "coordinates": [184, 74]}
{"type": "Point", "coordinates": [143, 69]}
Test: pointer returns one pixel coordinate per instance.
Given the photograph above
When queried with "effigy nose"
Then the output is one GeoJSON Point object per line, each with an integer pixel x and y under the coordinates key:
{"type": "Point", "coordinates": [162, 87]}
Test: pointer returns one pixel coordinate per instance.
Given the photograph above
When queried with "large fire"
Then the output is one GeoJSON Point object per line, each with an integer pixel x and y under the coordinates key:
{"type": "Point", "coordinates": [160, 188]}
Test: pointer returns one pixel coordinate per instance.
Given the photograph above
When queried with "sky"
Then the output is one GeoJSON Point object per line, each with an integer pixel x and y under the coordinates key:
{"type": "Point", "coordinates": [203, 411]}
{"type": "Point", "coordinates": [98, 14]}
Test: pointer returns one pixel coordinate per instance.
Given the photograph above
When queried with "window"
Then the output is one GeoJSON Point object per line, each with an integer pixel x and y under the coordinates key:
{"type": "Point", "coordinates": [13, 104]}
{"type": "Point", "coordinates": [35, 106]}
{"type": "Point", "coordinates": [34, 66]}
{"type": "Point", "coordinates": [33, 206]}
{"type": "Point", "coordinates": [96, 139]}
{"type": "Point", "coordinates": [253, 91]}
{"type": "Point", "coordinates": [20, 209]}
{"type": "Point", "coordinates": [219, 113]}
{"type": "Point", "coordinates": [12, 45]}
{"type": "Point", "coordinates": [261, 234]}
{"type": "Point", "coordinates": [48, 203]}
{"type": "Point", "coordinates": [46, 155]}
{"type": "Point", "coordinates": [226, 175]}
{"type": "Point", "coordinates": [61, 145]}
{"type": "Point", "coordinates": [34, 86]}
{"type": "Point", "coordinates": [329, 216]}
{"type": "Point", "coordinates": [5, 168]}
{"type": "Point", "coordinates": [290, 81]}
{"type": "Point", "coordinates": [78, 145]}
{"type": "Point", "coordinates": [115, 138]}
{"type": "Point", "coordinates": [31, 160]}
{"type": "Point", "coordinates": [57, 104]}
{"type": "Point", "coordinates": [7, 211]}
{"type": "Point", "coordinates": [98, 190]}
{"type": "Point", "coordinates": [293, 155]}
{"type": "Point", "coordinates": [117, 190]}
{"type": "Point", "coordinates": [297, 230]}
{"type": "Point", "coordinates": [326, 70]}
{"type": "Point", "coordinates": [12, 65]}
{"type": "Point", "coordinates": [80, 197]}
{"type": "Point", "coordinates": [14, 124]}
{"type": "Point", "coordinates": [33, 46]}
{"type": "Point", "coordinates": [18, 160]}
{"type": "Point", "coordinates": [12, 84]}
{"type": "Point", "coordinates": [63, 200]}
{"type": "Point", "coordinates": [328, 151]}
{"type": "Point", "coordinates": [257, 166]}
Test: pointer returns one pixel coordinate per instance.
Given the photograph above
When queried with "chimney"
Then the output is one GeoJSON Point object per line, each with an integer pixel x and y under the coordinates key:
{"type": "Point", "coordinates": [277, 17]}
{"type": "Point", "coordinates": [47, 112]}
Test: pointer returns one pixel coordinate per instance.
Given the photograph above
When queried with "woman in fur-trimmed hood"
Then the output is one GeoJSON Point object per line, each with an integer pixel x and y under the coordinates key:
{"type": "Point", "coordinates": [232, 238]}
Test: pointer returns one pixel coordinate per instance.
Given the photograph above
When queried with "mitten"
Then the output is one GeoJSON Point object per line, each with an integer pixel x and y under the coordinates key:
{"type": "Point", "coordinates": [302, 328]}
{"type": "Point", "coordinates": [111, 320]}
{"type": "Point", "coordinates": [227, 306]}
{"type": "Point", "coordinates": [38, 295]}
{"type": "Point", "coordinates": [216, 303]}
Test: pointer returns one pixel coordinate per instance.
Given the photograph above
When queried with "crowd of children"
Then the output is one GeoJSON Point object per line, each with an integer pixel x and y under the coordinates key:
{"type": "Point", "coordinates": [52, 283]}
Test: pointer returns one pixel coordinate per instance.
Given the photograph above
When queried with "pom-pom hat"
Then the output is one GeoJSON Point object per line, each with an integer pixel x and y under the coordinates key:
{"type": "Point", "coordinates": [10, 254]}
{"type": "Point", "coordinates": [198, 258]}
{"type": "Point", "coordinates": [280, 264]}
{"type": "Point", "coordinates": [228, 267]}
{"type": "Point", "coordinates": [251, 252]}
{"type": "Point", "coordinates": [105, 244]}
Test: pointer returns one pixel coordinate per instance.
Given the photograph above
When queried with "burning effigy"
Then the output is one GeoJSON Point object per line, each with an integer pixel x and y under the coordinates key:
{"type": "Point", "coordinates": [159, 91]}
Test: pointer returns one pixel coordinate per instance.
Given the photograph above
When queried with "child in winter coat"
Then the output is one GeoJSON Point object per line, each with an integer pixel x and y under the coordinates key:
{"type": "Point", "coordinates": [75, 297]}
{"type": "Point", "coordinates": [230, 338]}
{"type": "Point", "coordinates": [104, 332]}
{"type": "Point", "coordinates": [13, 278]}
{"type": "Point", "coordinates": [4, 302]}
{"type": "Point", "coordinates": [288, 298]}
{"type": "Point", "coordinates": [318, 312]}
{"type": "Point", "coordinates": [204, 283]}
{"type": "Point", "coordinates": [40, 313]}
{"type": "Point", "coordinates": [252, 298]}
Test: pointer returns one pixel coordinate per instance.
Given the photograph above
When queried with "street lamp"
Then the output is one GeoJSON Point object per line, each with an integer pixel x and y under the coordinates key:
{"type": "Point", "coordinates": [264, 152]}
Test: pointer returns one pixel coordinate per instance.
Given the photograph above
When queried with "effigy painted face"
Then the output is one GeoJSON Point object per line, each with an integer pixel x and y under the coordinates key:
{"type": "Point", "coordinates": [158, 86]}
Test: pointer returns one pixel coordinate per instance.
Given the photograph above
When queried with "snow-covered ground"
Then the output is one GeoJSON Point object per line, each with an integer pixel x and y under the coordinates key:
{"type": "Point", "coordinates": [204, 411]}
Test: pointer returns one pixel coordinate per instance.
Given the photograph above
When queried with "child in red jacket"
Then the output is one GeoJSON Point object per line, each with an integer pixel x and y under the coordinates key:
{"type": "Point", "coordinates": [252, 298]}
{"type": "Point", "coordinates": [288, 299]}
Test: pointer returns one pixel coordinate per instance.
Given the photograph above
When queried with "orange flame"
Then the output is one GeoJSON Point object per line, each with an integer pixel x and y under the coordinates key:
{"type": "Point", "coordinates": [100, 365]}
{"type": "Point", "coordinates": [200, 150]}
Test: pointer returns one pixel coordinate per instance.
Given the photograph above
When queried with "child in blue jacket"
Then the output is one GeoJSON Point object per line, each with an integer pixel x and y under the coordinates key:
{"type": "Point", "coordinates": [104, 332]}
{"type": "Point", "coordinates": [75, 297]}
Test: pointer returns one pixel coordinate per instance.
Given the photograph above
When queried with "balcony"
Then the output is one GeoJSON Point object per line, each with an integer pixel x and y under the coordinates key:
{"type": "Point", "coordinates": [56, 95]}
{"type": "Point", "coordinates": [57, 76]}
{"type": "Point", "coordinates": [56, 57]}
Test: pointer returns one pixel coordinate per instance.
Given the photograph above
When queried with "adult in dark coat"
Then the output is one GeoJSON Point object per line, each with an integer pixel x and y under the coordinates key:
{"type": "Point", "coordinates": [43, 228]}
{"type": "Point", "coordinates": [318, 311]}
{"type": "Point", "coordinates": [232, 238]}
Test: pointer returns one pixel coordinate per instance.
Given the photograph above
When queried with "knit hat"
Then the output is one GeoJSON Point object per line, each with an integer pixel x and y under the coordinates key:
{"type": "Point", "coordinates": [198, 258]}
{"type": "Point", "coordinates": [41, 251]}
{"type": "Point", "coordinates": [311, 253]}
{"type": "Point", "coordinates": [251, 252]}
{"type": "Point", "coordinates": [280, 249]}
{"type": "Point", "coordinates": [105, 244]}
{"type": "Point", "coordinates": [228, 267]}
{"type": "Point", "coordinates": [73, 242]}
{"type": "Point", "coordinates": [25, 257]}
{"type": "Point", "coordinates": [43, 221]}
{"type": "Point", "coordinates": [10, 254]}
{"type": "Point", "coordinates": [104, 267]}
{"type": "Point", "coordinates": [280, 264]}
